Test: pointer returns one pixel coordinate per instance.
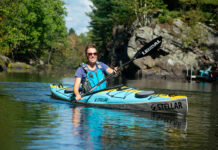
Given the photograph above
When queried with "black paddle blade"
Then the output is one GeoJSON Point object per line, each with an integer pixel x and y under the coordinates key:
{"type": "Point", "coordinates": [153, 45]}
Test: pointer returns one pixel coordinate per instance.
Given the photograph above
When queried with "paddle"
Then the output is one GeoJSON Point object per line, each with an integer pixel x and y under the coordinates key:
{"type": "Point", "coordinates": [153, 45]}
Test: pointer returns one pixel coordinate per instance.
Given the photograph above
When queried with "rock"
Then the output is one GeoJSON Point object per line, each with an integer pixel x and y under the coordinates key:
{"type": "Point", "coordinates": [141, 37]}
{"type": "Point", "coordinates": [4, 61]}
{"type": "Point", "coordinates": [171, 65]}
{"type": "Point", "coordinates": [157, 30]}
{"type": "Point", "coordinates": [175, 57]}
{"type": "Point", "coordinates": [178, 23]}
{"type": "Point", "coordinates": [32, 62]}
{"type": "Point", "coordinates": [132, 47]}
{"type": "Point", "coordinates": [211, 35]}
{"type": "Point", "coordinates": [190, 59]}
{"type": "Point", "coordinates": [176, 30]}
{"type": "Point", "coordinates": [36, 62]}
{"type": "Point", "coordinates": [145, 62]}
{"type": "Point", "coordinates": [41, 62]}
{"type": "Point", "coordinates": [149, 62]}
{"type": "Point", "coordinates": [19, 66]}
{"type": "Point", "coordinates": [145, 33]}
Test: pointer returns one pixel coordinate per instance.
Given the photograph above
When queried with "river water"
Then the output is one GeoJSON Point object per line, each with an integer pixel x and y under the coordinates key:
{"type": "Point", "coordinates": [31, 119]}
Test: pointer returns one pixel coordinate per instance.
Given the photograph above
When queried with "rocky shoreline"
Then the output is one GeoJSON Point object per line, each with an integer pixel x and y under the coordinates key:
{"type": "Point", "coordinates": [175, 56]}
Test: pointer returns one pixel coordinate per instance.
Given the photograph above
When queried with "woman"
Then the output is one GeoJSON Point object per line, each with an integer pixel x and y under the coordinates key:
{"type": "Point", "coordinates": [92, 73]}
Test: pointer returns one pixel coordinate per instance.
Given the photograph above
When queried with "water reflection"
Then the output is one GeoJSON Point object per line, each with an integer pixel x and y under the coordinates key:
{"type": "Point", "coordinates": [103, 126]}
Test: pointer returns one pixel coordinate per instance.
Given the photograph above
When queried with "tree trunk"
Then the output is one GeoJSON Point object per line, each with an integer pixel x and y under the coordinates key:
{"type": "Point", "coordinates": [49, 56]}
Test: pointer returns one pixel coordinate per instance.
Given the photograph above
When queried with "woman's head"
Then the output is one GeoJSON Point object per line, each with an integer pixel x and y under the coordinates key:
{"type": "Point", "coordinates": [91, 53]}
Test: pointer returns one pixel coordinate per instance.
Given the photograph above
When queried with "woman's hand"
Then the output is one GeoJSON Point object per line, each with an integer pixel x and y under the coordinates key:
{"type": "Point", "coordinates": [76, 88]}
{"type": "Point", "coordinates": [78, 97]}
{"type": "Point", "coordinates": [115, 70]}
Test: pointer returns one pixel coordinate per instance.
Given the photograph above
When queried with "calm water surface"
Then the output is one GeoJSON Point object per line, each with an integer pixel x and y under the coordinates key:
{"type": "Point", "coordinates": [31, 119]}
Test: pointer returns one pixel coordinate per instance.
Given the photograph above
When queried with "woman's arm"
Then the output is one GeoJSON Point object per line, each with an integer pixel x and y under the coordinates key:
{"type": "Point", "coordinates": [76, 88]}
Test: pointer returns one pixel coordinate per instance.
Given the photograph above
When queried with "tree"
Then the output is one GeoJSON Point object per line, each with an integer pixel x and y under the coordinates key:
{"type": "Point", "coordinates": [101, 23]}
{"type": "Point", "coordinates": [143, 10]}
{"type": "Point", "coordinates": [32, 28]}
{"type": "Point", "coordinates": [71, 31]}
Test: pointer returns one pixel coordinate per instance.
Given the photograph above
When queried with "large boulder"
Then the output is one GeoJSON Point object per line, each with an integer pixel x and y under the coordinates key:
{"type": "Point", "coordinates": [4, 61]}
{"type": "Point", "coordinates": [175, 56]}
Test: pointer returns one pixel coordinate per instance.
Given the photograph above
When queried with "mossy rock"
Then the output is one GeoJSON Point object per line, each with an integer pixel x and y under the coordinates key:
{"type": "Point", "coordinates": [19, 65]}
{"type": "Point", "coordinates": [3, 62]}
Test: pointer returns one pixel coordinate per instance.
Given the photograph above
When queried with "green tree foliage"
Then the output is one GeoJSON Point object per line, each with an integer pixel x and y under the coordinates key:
{"type": "Point", "coordinates": [31, 28]}
{"type": "Point", "coordinates": [101, 23]}
{"type": "Point", "coordinates": [193, 11]}
{"type": "Point", "coordinates": [73, 54]}
{"type": "Point", "coordinates": [71, 31]}
{"type": "Point", "coordinates": [144, 10]}
{"type": "Point", "coordinates": [122, 9]}
{"type": "Point", "coordinates": [200, 11]}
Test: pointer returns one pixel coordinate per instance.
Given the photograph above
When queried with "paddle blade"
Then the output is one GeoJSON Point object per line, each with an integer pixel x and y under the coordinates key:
{"type": "Point", "coordinates": [151, 46]}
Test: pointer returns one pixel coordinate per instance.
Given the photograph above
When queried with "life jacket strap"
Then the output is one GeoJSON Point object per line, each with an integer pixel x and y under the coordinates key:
{"type": "Point", "coordinates": [85, 67]}
{"type": "Point", "coordinates": [98, 65]}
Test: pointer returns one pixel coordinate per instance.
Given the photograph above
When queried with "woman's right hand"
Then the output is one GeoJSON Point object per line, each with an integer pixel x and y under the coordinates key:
{"type": "Point", "coordinates": [78, 97]}
{"type": "Point", "coordinates": [76, 89]}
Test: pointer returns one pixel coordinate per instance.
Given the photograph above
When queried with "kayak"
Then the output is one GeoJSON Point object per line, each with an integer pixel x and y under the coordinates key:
{"type": "Point", "coordinates": [123, 97]}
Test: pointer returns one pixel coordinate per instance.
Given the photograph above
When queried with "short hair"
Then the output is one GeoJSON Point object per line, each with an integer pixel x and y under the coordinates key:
{"type": "Point", "coordinates": [90, 45]}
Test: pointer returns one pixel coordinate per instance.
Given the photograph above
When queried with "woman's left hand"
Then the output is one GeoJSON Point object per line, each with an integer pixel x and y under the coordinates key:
{"type": "Point", "coordinates": [115, 71]}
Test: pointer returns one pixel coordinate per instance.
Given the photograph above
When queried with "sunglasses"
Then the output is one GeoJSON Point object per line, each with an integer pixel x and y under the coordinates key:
{"type": "Point", "coordinates": [90, 54]}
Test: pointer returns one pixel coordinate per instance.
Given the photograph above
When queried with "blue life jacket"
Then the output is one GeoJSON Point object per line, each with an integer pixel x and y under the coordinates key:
{"type": "Point", "coordinates": [93, 78]}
